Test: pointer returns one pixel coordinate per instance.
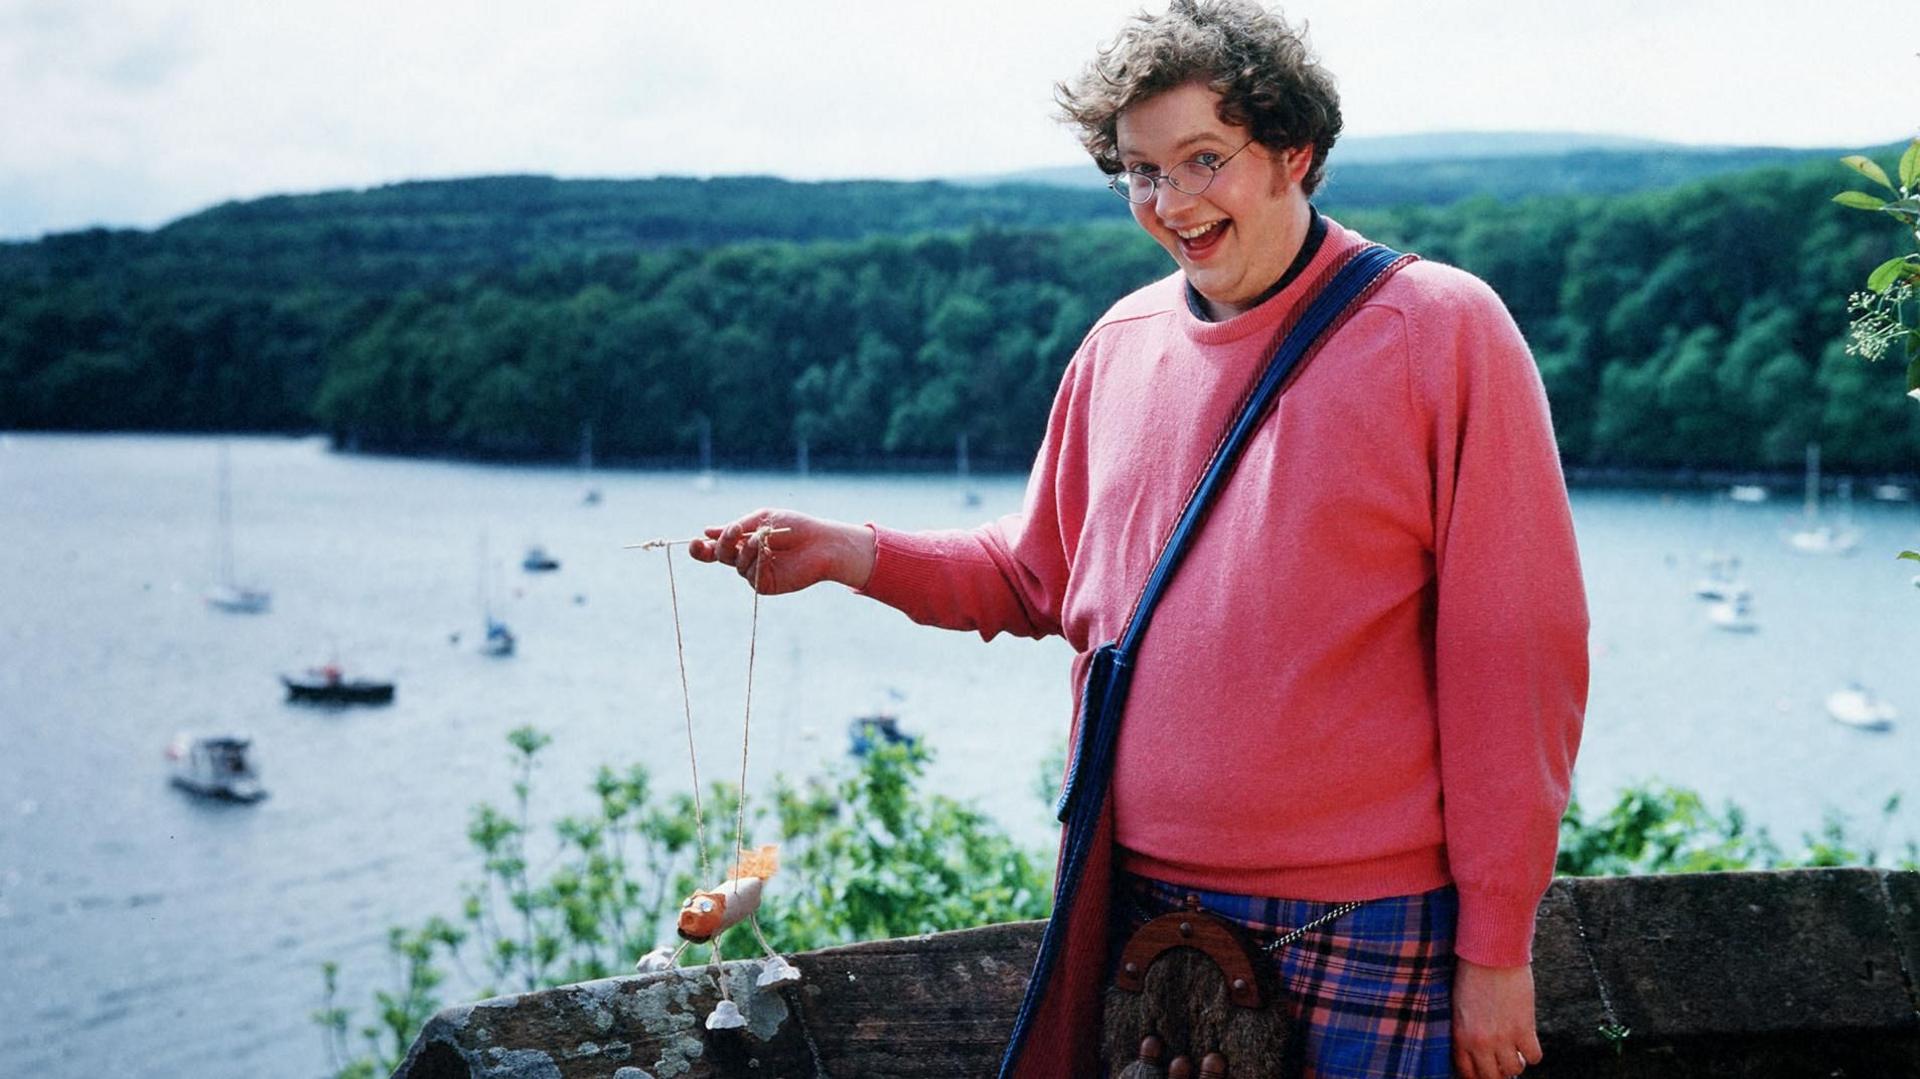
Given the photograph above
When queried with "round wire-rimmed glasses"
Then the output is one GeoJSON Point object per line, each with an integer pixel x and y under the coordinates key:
{"type": "Point", "coordinates": [1188, 177]}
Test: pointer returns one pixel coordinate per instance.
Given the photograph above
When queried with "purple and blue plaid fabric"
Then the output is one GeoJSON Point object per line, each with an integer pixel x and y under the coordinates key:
{"type": "Point", "coordinates": [1372, 990]}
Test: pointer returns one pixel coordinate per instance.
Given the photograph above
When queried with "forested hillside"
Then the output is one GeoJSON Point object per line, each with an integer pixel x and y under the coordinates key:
{"type": "Point", "coordinates": [1692, 327]}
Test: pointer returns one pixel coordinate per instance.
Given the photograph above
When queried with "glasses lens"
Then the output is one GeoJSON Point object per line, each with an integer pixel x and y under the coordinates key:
{"type": "Point", "coordinates": [1132, 186]}
{"type": "Point", "coordinates": [1190, 177]}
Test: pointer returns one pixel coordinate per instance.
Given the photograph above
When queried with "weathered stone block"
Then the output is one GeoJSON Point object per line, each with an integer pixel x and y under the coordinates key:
{"type": "Point", "coordinates": [1714, 976]}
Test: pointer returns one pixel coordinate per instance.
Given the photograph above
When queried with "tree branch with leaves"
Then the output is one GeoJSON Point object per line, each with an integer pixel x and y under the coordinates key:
{"type": "Point", "coordinates": [1882, 317]}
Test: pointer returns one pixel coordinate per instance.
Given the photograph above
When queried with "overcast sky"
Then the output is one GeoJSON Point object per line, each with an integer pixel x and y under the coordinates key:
{"type": "Point", "coordinates": [134, 112]}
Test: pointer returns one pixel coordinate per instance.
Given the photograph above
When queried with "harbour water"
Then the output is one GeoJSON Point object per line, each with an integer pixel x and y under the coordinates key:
{"type": "Point", "coordinates": [147, 933]}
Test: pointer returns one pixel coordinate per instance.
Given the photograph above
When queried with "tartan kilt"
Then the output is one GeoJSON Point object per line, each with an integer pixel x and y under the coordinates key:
{"type": "Point", "coordinates": [1372, 991]}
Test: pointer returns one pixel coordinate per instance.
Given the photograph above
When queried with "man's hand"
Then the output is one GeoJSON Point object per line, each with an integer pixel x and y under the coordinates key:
{"type": "Point", "coordinates": [1493, 1032]}
{"type": "Point", "coordinates": [808, 551]}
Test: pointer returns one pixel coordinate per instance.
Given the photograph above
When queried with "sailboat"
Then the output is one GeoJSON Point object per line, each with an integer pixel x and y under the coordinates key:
{"type": "Point", "coordinates": [498, 640]}
{"type": "Point", "coordinates": [1823, 537]}
{"type": "Point", "coordinates": [592, 495]}
{"type": "Point", "coordinates": [704, 480]}
{"type": "Point", "coordinates": [968, 496]}
{"type": "Point", "coordinates": [229, 595]}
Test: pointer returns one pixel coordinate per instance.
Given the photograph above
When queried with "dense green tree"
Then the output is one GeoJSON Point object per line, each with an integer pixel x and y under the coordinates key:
{"type": "Point", "coordinates": [1690, 327]}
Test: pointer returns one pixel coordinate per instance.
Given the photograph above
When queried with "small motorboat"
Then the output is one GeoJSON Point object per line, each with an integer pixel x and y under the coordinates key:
{"type": "Point", "coordinates": [328, 684]}
{"type": "Point", "coordinates": [1732, 616]}
{"type": "Point", "coordinates": [1722, 581]}
{"type": "Point", "coordinates": [235, 599]}
{"type": "Point", "coordinates": [215, 766]}
{"type": "Point", "coordinates": [1725, 591]}
{"type": "Point", "coordinates": [539, 561]}
{"type": "Point", "coordinates": [866, 733]}
{"type": "Point", "coordinates": [1824, 539]}
{"type": "Point", "coordinates": [1858, 707]}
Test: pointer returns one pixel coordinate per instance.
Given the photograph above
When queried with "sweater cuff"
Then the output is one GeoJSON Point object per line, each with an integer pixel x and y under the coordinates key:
{"type": "Point", "coordinates": [903, 567]}
{"type": "Point", "coordinates": [1495, 930]}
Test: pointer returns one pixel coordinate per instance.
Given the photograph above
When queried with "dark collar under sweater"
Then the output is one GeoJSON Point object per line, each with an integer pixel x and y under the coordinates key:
{"type": "Point", "coordinates": [1316, 232]}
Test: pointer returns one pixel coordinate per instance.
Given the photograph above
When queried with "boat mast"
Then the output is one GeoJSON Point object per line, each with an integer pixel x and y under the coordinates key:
{"type": "Point", "coordinates": [224, 545]}
{"type": "Point", "coordinates": [1813, 481]}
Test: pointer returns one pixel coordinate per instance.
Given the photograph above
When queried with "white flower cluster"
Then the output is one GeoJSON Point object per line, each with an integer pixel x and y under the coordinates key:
{"type": "Point", "coordinates": [1877, 321]}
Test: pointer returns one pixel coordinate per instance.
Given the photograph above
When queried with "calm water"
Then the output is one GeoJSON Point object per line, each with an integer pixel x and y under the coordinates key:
{"type": "Point", "coordinates": [145, 933]}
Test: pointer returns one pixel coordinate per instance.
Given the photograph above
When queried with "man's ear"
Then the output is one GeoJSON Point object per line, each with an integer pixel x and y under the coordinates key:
{"type": "Point", "coordinates": [1298, 160]}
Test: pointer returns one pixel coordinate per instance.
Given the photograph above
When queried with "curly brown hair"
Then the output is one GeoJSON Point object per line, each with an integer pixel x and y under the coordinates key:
{"type": "Point", "coordinates": [1267, 79]}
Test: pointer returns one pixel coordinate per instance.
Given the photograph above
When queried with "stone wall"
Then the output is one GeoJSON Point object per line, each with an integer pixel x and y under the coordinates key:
{"type": "Point", "coordinates": [1803, 973]}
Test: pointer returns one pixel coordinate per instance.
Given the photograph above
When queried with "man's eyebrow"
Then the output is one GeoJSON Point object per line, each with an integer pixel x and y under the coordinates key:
{"type": "Point", "coordinates": [1181, 147]}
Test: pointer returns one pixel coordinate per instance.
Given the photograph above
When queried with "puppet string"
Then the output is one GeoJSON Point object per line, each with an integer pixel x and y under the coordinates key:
{"type": "Point", "coordinates": [746, 721]}
{"type": "Point", "coordinates": [686, 700]}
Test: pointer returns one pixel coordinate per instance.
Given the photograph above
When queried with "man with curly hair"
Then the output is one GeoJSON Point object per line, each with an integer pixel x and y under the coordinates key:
{"type": "Point", "coordinates": [1366, 683]}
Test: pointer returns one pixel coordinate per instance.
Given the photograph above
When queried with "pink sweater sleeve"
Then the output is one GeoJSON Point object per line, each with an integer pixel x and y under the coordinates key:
{"type": "Point", "coordinates": [1007, 576]}
{"type": "Point", "coordinates": [1510, 625]}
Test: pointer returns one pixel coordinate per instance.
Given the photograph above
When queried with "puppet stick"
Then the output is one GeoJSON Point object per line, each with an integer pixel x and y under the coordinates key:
{"type": "Point", "coordinates": [653, 545]}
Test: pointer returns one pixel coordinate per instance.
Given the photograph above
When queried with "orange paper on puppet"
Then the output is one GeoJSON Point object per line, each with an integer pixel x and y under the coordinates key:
{"type": "Point", "coordinates": [707, 914]}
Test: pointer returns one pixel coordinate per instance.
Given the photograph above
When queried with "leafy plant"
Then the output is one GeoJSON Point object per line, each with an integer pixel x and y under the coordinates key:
{"type": "Point", "coordinates": [1657, 828]}
{"type": "Point", "coordinates": [865, 854]}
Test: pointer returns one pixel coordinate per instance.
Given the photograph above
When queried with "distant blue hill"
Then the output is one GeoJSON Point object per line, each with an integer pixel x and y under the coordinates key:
{"type": "Point", "coordinates": [1440, 168]}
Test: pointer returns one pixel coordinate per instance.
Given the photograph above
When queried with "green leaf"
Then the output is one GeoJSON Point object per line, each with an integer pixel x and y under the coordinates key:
{"type": "Point", "coordinates": [1865, 167]}
{"type": "Point", "coordinates": [1859, 200]}
{"type": "Point", "coordinates": [1911, 556]}
{"type": "Point", "coordinates": [1910, 165]}
{"type": "Point", "coordinates": [1885, 274]}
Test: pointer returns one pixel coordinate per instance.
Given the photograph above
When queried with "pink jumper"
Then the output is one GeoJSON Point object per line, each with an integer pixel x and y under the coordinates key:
{"type": "Point", "coordinates": [1368, 677]}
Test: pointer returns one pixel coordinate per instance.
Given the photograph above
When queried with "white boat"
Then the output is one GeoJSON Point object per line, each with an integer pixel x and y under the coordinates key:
{"type": "Point", "coordinates": [1857, 706]}
{"type": "Point", "coordinates": [229, 595]}
{"type": "Point", "coordinates": [1816, 536]}
{"type": "Point", "coordinates": [1732, 616]}
{"type": "Point", "coordinates": [1748, 492]}
{"type": "Point", "coordinates": [1892, 492]}
{"type": "Point", "coordinates": [215, 766]}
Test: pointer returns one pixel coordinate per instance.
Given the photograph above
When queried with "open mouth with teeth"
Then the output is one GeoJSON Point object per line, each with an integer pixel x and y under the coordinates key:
{"type": "Point", "coordinates": [1197, 241]}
